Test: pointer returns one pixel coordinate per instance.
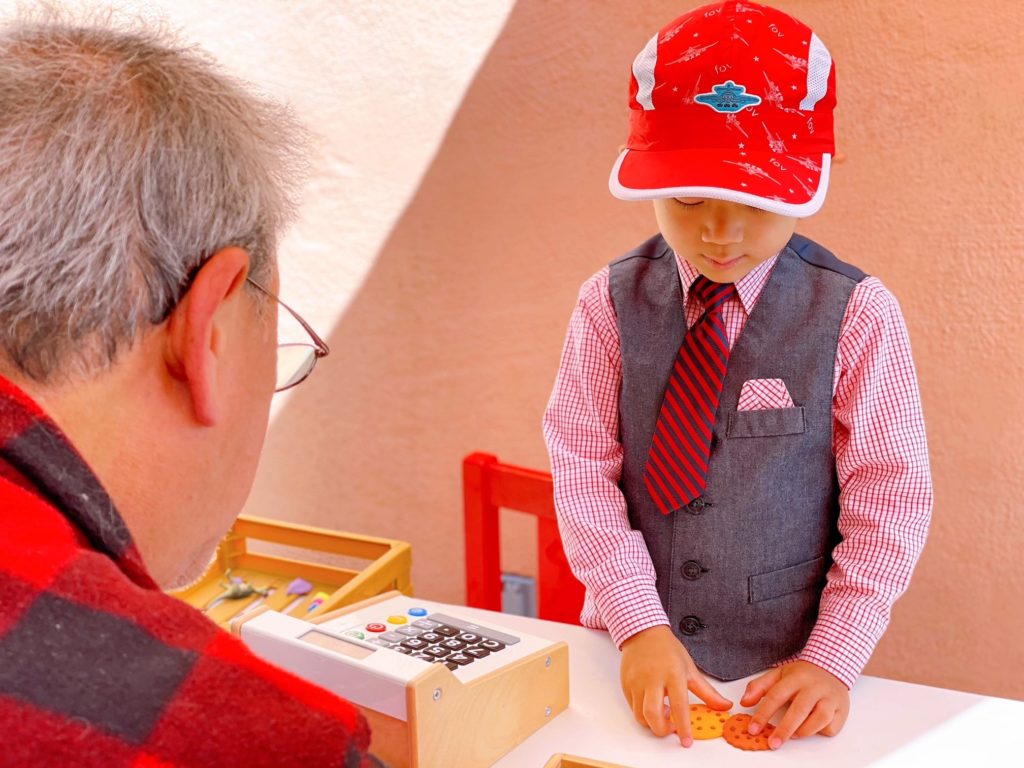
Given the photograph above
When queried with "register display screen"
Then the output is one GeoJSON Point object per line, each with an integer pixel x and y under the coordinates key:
{"type": "Point", "coordinates": [336, 644]}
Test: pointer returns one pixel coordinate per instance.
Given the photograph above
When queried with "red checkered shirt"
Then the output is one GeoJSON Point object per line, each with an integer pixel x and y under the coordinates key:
{"type": "Point", "coordinates": [98, 667]}
{"type": "Point", "coordinates": [879, 443]}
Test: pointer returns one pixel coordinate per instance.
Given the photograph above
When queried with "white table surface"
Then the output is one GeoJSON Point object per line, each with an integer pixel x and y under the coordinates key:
{"type": "Point", "coordinates": [890, 724]}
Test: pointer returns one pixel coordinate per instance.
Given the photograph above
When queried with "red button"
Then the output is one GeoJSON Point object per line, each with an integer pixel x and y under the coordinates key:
{"type": "Point", "coordinates": [375, 627]}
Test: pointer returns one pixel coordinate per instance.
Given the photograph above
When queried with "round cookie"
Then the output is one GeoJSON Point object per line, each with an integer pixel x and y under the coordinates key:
{"type": "Point", "coordinates": [705, 722]}
{"type": "Point", "coordinates": [735, 733]}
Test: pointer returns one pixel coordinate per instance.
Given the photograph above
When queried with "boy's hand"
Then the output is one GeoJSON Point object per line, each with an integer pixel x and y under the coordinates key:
{"type": "Point", "coordinates": [655, 663]}
{"type": "Point", "coordinates": [819, 701]}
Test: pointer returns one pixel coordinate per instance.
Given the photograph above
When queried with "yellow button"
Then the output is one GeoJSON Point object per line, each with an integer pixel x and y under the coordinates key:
{"type": "Point", "coordinates": [396, 619]}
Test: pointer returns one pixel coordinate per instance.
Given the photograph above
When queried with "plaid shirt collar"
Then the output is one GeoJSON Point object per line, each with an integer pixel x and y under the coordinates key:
{"type": "Point", "coordinates": [37, 455]}
{"type": "Point", "coordinates": [748, 287]}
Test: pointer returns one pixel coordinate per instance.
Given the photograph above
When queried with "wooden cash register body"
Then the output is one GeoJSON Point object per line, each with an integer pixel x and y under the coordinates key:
{"type": "Point", "coordinates": [448, 723]}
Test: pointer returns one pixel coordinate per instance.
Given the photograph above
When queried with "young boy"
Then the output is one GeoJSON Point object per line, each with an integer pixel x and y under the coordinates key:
{"type": "Point", "coordinates": [736, 438]}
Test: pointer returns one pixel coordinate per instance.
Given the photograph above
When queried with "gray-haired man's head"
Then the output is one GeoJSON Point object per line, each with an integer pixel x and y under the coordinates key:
{"type": "Point", "coordinates": [125, 160]}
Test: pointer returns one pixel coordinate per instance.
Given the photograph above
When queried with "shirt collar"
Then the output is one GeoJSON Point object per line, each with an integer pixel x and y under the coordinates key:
{"type": "Point", "coordinates": [37, 455]}
{"type": "Point", "coordinates": [748, 287]}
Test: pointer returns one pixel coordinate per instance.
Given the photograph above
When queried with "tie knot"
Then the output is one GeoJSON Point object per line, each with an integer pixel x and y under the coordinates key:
{"type": "Point", "coordinates": [712, 295]}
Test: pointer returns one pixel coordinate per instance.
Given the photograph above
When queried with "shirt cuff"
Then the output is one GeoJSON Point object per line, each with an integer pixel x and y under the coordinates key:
{"type": "Point", "coordinates": [839, 647]}
{"type": "Point", "coordinates": [630, 606]}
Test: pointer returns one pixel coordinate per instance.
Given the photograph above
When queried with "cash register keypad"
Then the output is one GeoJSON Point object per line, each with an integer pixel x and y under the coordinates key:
{"type": "Point", "coordinates": [437, 638]}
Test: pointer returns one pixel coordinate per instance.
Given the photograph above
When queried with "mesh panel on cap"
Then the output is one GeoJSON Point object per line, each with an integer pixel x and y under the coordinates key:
{"type": "Point", "coordinates": [819, 65]}
{"type": "Point", "coordinates": [643, 71]}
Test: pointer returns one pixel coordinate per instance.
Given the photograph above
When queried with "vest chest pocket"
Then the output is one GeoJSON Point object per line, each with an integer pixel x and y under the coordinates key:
{"type": "Point", "coordinates": [765, 586]}
{"type": "Point", "coordinates": [767, 423]}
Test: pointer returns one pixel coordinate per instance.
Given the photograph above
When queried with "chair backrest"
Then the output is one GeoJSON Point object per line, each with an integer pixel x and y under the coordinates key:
{"type": "Point", "coordinates": [489, 486]}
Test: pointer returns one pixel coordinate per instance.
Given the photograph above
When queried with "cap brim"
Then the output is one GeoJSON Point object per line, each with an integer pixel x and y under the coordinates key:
{"type": "Point", "coordinates": [789, 185]}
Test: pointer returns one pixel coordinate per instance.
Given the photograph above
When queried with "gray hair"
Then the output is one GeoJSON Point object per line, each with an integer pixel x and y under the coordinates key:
{"type": "Point", "coordinates": [126, 159]}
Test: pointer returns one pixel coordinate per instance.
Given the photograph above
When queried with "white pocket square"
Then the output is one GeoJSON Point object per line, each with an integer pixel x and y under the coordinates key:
{"type": "Point", "coordinates": [764, 395]}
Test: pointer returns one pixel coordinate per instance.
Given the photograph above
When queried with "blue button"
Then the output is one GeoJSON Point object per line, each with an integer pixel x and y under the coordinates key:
{"type": "Point", "coordinates": [417, 611]}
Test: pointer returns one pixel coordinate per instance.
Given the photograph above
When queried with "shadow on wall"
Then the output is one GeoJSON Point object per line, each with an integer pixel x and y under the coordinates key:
{"type": "Point", "coordinates": [453, 341]}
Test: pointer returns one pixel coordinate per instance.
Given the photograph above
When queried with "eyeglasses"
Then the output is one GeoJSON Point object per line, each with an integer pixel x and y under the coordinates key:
{"type": "Point", "coordinates": [295, 361]}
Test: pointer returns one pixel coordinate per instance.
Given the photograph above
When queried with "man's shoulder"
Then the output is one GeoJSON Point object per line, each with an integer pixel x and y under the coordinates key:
{"type": "Point", "coordinates": [88, 652]}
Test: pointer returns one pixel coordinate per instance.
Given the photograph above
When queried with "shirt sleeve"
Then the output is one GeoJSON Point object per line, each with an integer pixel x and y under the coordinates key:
{"type": "Point", "coordinates": [885, 500]}
{"type": "Point", "coordinates": [581, 428]}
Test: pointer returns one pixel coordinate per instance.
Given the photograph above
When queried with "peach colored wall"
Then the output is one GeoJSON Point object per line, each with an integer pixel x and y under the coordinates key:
{"type": "Point", "coordinates": [476, 235]}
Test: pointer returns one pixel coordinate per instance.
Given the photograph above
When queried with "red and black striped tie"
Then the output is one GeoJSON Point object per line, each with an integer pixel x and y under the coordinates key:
{"type": "Point", "coordinates": [677, 466]}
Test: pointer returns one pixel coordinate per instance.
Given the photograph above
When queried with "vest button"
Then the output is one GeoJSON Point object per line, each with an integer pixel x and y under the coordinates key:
{"type": "Point", "coordinates": [692, 570]}
{"type": "Point", "coordinates": [690, 625]}
{"type": "Point", "coordinates": [696, 506]}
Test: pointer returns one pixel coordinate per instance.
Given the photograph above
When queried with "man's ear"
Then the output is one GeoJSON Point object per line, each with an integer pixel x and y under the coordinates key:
{"type": "Point", "coordinates": [196, 333]}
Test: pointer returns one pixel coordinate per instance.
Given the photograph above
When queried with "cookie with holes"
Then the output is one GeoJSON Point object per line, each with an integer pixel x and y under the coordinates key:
{"type": "Point", "coordinates": [705, 722]}
{"type": "Point", "coordinates": [735, 732]}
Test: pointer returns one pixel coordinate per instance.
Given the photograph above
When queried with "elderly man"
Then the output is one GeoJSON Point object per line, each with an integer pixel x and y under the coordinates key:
{"type": "Point", "coordinates": [142, 194]}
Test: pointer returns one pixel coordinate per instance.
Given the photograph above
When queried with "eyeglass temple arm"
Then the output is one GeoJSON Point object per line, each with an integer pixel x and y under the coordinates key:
{"type": "Point", "coordinates": [322, 350]}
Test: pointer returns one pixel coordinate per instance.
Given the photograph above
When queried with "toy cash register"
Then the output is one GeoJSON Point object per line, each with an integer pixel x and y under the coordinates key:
{"type": "Point", "coordinates": [437, 689]}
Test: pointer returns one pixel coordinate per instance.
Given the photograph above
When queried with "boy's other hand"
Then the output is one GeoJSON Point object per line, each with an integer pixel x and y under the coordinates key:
{"type": "Point", "coordinates": [655, 664]}
{"type": "Point", "coordinates": [818, 701]}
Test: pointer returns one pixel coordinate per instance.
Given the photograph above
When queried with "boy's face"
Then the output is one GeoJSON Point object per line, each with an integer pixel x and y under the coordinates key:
{"type": "Point", "coordinates": [723, 241]}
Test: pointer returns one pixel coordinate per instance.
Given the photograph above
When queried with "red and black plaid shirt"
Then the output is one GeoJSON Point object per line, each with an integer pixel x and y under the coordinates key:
{"type": "Point", "coordinates": [98, 667]}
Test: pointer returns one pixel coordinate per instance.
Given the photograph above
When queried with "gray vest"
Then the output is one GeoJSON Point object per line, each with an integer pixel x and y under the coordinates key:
{"type": "Point", "coordinates": [740, 570]}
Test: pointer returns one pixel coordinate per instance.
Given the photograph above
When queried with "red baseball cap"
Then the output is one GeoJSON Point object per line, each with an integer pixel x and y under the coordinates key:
{"type": "Point", "coordinates": [731, 101]}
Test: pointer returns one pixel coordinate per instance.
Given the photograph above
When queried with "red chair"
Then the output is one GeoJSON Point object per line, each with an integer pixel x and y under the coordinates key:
{"type": "Point", "coordinates": [488, 486]}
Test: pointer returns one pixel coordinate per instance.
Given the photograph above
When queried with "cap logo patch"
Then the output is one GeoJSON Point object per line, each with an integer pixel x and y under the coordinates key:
{"type": "Point", "coordinates": [728, 98]}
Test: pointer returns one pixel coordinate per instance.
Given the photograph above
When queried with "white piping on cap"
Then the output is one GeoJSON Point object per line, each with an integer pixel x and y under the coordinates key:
{"type": "Point", "coordinates": [796, 210]}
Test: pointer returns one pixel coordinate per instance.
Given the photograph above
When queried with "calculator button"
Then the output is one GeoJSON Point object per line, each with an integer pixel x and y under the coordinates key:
{"type": "Point", "coordinates": [379, 641]}
{"type": "Point", "coordinates": [453, 644]}
{"type": "Point", "coordinates": [444, 629]}
{"type": "Point", "coordinates": [467, 626]}
{"type": "Point", "coordinates": [397, 620]}
{"type": "Point", "coordinates": [460, 658]}
{"type": "Point", "coordinates": [431, 637]}
{"type": "Point", "coordinates": [409, 631]}
{"type": "Point", "coordinates": [436, 652]}
{"type": "Point", "coordinates": [376, 627]}
{"type": "Point", "coordinates": [393, 637]}
{"type": "Point", "coordinates": [469, 637]}
{"type": "Point", "coordinates": [401, 649]}
{"type": "Point", "coordinates": [356, 633]}
{"type": "Point", "coordinates": [491, 645]}
{"type": "Point", "coordinates": [477, 653]}
{"type": "Point", "coordinates": [451, 666]}
{"type": "Point", "coordinates": [417, 611]}
{"type": "Point", "coordinates": [426, 624]}
{"type": "Point", "coordinates": [415, 644]}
